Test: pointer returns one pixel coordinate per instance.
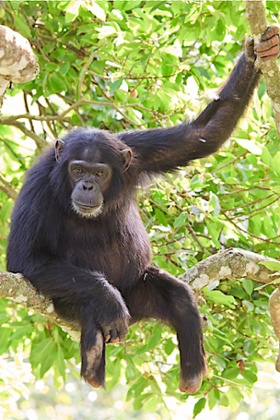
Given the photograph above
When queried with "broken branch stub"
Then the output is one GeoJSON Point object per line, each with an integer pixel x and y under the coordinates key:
{"type": "Point", "coordinates": [18, 63]}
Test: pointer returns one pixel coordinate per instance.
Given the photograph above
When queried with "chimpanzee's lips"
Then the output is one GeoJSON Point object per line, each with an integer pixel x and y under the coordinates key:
{"type": "Point", "coordinates": [87, 207]}
{"type": "Point", "coordinates": [86, 210]}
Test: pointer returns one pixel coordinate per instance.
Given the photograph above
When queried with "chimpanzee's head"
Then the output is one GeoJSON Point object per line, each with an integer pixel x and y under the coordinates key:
{"type": "Point", "coordinates": [94, 163]}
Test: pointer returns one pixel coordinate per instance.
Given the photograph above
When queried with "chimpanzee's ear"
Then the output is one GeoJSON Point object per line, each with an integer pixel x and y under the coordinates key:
{"type": "Point", "coordinates": [59, 144]}
{"type": "Point", "coordinates": [127, 157]}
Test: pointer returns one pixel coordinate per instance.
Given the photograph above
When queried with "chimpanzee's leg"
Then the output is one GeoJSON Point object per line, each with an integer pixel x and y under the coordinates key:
{"type": "Point", "coordinates": [92, 350]}
{"type": "Point", "coordinates": [159, 295]}
{"type": "Point", "coordinates": [93, 344]}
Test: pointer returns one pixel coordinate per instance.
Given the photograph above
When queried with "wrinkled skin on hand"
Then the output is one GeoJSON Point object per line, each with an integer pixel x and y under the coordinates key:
{"type": "Point", "coordinates": [268, 48]}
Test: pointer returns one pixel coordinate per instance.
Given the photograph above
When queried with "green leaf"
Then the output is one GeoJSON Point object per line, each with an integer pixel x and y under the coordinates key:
{"type": "Point", "coordinates": [271, 265]}
{"type": "Point", "coordinates": [220, 362]}
{"type": "Point", "coordinates": [266, 156]}
{"type": "Point", "coordinates": [57, 84]}
{"type": "Point", "coordinates": [213, 398]}
{"type": "Point", "coordinates": [214, 204]}
{"type": "Point", "coordinates": [250, 146]}
{"type": "Point", "coordinates": [180, 220]}
{"type": "Point", "coordinates": [199, 406]}
{"type": "Point", "coordinates": [63, 70]}
{"type": "Point", "coordinates": [96, 10]}
{"type": "Point", "coordinates": [42, 356]}
{"type": "Point", "coordinates": [249, 307]}
{"type": "Point", "coordinates": [169, 64]}
{"type": "Point", "coordinates": [5, 335]}
{"type": "Point", "coordinates": [231, 373]}
{"type": "Point", "coordinates": [220, 298]}
{"type": "Point", "coordinates": [248, 286]}
{"type": "Point", "coordinates": [22, 26]}
{"type": "Point", "coordinates": [126, 5]}
{"type": "Point", "coordinates": [106, 31]}
{"type": "Point", "coordinates": [72, 11]}
{"type": "Point", "coordinates": [161, 217]}
{"type": "Point", "coordinates": [115, 85]}
{"type": "Point", "coordinates": [249, 347]}
{"type": "Point", "coordinates": [169, 346]}
{"type": "Point", "coordinates": [250, 376]}
{"type": "Point", "coordinates": [60, 361]}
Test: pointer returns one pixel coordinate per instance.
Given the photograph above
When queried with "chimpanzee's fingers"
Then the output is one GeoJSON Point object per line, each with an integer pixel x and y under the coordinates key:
{"type": "Point", "coordinates": [265, 46]}
{"type": "Point", "coordinates": [107, 333]}
{"type": "Point", "coordinates": [115, 333]}
{"type": "Point", "coordinates": [269, 55]}
{"type": "Point", "coordinates": [270, 32]}
{"type": "Point", "coordinates": [269, 46]}
{"type": "Point", "coordinates": [114, 339]}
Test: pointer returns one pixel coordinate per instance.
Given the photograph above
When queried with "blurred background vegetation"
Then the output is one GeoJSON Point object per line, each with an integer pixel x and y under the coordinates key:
{"type": "Point", "coordinates": [118, 65]}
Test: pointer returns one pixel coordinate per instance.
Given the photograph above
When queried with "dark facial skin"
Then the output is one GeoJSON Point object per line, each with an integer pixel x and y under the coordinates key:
{"type": "Point", "coordinates": [89, 181]}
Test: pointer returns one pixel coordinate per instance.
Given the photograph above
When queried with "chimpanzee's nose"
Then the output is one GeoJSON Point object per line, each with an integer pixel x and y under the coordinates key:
{"type": "Point", "coordinates": [87, 185]}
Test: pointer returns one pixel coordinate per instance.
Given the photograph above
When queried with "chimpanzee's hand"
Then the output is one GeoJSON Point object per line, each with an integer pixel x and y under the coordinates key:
{"type": "Point", "coordinates": [113, 318]}
{"type": "Point", "coordinates": [268, 48]}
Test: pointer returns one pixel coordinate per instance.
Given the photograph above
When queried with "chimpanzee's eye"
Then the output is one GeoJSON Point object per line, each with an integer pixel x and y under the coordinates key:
{"type": "Point", "coordinates": [99, 173]}
{"type": "Point", "coordinates": [78, 171]}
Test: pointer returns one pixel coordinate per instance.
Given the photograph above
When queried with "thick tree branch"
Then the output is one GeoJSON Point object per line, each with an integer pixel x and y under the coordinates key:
{"type": "Point", "coordinates": [274, 307]}
{"type": "Point", "coordinates": [17, 288]}
{"type": "Point", "coordinates": [18, 63]}
{"type": "Point", "coordinates": [255, 13]}
{"type": "Point", "coordinates": [231, 264]}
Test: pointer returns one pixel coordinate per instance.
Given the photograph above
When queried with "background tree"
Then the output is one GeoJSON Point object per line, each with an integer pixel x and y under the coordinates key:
{"type": "Point", "coordinates": [133, 64]}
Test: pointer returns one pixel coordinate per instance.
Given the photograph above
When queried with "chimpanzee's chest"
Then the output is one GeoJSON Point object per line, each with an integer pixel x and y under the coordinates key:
{"type": "Point", "coordinates": [119, 249]}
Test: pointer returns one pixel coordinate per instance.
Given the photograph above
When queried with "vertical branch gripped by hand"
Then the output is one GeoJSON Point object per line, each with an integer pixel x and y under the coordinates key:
{"type": "Point", "coordinates": [255, 13]}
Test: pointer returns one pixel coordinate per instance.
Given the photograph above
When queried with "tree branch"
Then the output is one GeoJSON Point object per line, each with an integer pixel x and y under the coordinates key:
{"type": "Point", "coordinates": [231, 264]}
{"type": "Point", "coordinates": [20, 290]}
{"type": "Point", "coordinates": [7, 188]}
{"type": "Point", "coordinates": [18, 63]}
{"type": "Point", "coordinates": [39, 141]}
{"type": "Point", "coordinates": [255, 13]}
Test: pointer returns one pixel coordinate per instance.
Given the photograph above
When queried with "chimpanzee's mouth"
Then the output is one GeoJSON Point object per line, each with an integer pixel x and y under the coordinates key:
{"type": "Point", "coordinates": [88, 211]}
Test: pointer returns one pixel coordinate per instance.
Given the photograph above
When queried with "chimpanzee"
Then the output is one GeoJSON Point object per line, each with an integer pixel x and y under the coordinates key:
{"type": "Point", "coordinates": [76, 233]}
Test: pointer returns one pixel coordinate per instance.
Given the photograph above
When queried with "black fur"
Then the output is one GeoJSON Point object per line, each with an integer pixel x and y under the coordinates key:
{"type": "Point", "coordinates": [97, 270]}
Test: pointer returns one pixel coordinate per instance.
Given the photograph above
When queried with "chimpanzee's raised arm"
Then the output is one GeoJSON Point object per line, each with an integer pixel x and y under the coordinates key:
{"type": "Point", "coordinates": [164, 149]}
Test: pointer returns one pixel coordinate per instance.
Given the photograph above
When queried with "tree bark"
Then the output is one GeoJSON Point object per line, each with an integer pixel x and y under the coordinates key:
{"type": "Point", "coordinates": [20, 290]}
{"type": "Point", "coordinates": [18, 63]}
{"type": "Point", "coordinates": [231, 264]}
{"type": "Point", "coordinates": [255, 13]}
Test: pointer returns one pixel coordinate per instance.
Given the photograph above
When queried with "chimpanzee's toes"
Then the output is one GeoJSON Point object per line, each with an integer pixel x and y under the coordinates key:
{"type": "Point", "coordinates": [93, 362]}
{"type": "Point", "coordinates": [191, 385]}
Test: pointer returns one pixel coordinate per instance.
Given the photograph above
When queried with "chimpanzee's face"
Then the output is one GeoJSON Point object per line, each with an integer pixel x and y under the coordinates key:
{"type": "Point", "coordinates": [89, 181]}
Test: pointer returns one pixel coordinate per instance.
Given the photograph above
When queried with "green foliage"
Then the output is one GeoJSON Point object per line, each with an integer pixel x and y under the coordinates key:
{"type": "Point", "coordinates": [132, 64]}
